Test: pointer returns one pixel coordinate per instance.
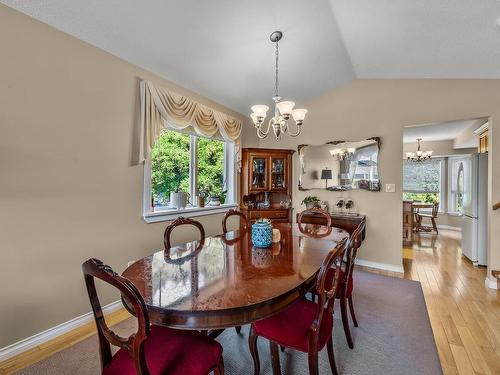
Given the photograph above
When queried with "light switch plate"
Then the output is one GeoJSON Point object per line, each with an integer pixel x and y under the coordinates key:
{"type": "Point", "coordinates": [390, 188]}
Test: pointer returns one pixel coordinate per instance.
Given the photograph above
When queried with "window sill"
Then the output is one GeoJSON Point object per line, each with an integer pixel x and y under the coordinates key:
{"type": "Point", "coordinates": [168, 215]}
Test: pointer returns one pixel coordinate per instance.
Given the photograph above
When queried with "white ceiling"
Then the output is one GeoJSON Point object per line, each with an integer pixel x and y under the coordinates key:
{"type": "Point", "coordinates": [220, 48]}
{"type": "Point", "coordinates": [421, 38]}
{"type": "Point", "coordinates": [441, 131]}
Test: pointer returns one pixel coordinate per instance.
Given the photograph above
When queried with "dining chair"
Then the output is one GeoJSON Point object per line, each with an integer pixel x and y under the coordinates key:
{"type": "Point", "coordinates": [344, 292]}
{"type": "Point", "coordinates": [432, 215]}
{"type": "Point", "coordinates": [305, 326]}
{"type": "Point", "coordinates": [231, 212]}
{"type": "Point", "coordinates": [179, 222]}
{"type": "Point", "coordinates": [312, 230]}
{"type": "Point", "coordinates": [151, 349]}
{"type": "Point", "coordinates": [244, 228]}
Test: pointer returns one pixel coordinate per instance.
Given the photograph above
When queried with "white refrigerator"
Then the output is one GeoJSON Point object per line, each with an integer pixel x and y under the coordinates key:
{"type": "Point", "coordinates": [475, 209]}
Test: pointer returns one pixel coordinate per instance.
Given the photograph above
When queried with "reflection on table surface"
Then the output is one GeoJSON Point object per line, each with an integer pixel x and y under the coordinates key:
{"type": "Point", "coordinates": [228, 272]}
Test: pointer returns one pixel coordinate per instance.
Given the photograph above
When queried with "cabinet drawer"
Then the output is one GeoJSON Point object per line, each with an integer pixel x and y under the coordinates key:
{"type": "Point", "coordinates": [281, 214]}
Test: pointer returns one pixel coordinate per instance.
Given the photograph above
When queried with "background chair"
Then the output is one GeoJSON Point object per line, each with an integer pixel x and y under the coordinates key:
{"type": "Point", "coordinates": [152, 349]}
{"type": "Point", "coordinates": [314, 229]}
{"type": "Point", "coordinates": [243, 220]}
{"type": "Point", "coordinates": [344, 292]}
{"type": "Point", "coordinates": [432, 215]}
{"type": "Point", "coordinates": [183, 221]}
{"type": "Point", "coordinates": [305, 325]}
{"type": "Point", "coordinates": [244, 228]}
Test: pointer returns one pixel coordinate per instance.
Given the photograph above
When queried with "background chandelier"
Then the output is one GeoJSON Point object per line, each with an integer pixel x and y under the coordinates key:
{"type": "Point", "coordinates": [282, 110]}
{"type": "Point", "coordinates": [343, 153]}
{"type": "Point", "coordinates": [419, 155]}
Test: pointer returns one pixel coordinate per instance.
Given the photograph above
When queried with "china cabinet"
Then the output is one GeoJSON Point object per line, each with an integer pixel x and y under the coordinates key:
{"type": "Point", "coordinates": [265, 184]}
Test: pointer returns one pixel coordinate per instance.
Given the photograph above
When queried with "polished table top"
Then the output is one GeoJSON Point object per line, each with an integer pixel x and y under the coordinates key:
{"type": "Point", "coordinates": [226, 281]}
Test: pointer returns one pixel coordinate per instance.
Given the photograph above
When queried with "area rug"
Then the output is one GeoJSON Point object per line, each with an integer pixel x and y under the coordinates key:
{"type": "Point", "coordinates": [394, 337]}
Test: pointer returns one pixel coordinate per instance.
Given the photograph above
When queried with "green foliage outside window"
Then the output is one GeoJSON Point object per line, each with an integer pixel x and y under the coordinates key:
{"type": "Point", "coordinates": [211, 167]}
{"type": "Point", "coordinates": [421, 197]}
{"type": "Point", "coordinates": [170, 163]}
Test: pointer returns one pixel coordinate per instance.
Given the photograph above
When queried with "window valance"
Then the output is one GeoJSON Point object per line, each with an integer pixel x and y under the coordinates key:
{"type": "Point", "coordinates": [162, 109]}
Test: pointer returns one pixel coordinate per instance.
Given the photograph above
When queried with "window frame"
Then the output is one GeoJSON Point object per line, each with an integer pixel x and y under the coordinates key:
{"type": "Point", "coordinates": [230, 172]}
{"type": "Point", "coordinates": [442, 184]}
{"type": "Point", "coordinates": [451, 193]}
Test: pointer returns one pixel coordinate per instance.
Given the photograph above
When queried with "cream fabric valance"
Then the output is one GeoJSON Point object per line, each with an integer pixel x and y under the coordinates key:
{"type": "Point", "coordinates": [162, 109]}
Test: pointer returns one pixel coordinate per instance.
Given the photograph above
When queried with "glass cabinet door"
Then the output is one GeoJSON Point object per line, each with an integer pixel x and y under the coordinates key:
{"type": "Point", "coordinates": [278, 173]}
{"type": "Point", "coordinates": [258, 173]}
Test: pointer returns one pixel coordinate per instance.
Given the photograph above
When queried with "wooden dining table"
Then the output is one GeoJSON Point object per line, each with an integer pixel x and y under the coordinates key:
{"type": "Point", "coordinates": [226, 282]}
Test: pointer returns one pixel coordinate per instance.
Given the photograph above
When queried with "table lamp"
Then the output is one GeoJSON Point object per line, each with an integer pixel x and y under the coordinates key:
{"type": "Point", "coordinates": [326, 174]}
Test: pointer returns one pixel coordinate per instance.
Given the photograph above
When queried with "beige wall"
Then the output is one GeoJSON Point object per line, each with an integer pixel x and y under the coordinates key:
{"type": "Point", "coordinates": [368, 108]}
{"type": "Point", "coordinates": [68, 190]}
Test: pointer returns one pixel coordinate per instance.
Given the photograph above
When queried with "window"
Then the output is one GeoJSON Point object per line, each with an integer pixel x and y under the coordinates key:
{"type": "Point", "coordinates": [457, 168]}
{"type": "Point", "coordinates": [423, 181]}
{"type": "Point", "coordinates": [191, 164]}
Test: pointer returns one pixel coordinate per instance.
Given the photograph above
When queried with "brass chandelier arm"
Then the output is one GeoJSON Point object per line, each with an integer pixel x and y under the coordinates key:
{"type": "Point", "coordinates": [298, 131]}
{"type": "Point", "coordinates": [263, 134]}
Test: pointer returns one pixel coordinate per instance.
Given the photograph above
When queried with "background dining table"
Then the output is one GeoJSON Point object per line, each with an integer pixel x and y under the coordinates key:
{"type": "Point", "coordinates": [226, 282]}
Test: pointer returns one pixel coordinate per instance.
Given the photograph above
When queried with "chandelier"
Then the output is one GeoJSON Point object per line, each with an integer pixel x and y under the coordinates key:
{"type": "Point", "coordinates": [419, 155]}
{"type": "Point", "coordinates": [283, 110]}
{"type": "Point", "coordinates": [343, 153]}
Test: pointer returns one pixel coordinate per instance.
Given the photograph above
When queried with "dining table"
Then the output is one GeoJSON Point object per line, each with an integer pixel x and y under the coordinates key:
{"type": "Point", "coordinates": [224, 281]}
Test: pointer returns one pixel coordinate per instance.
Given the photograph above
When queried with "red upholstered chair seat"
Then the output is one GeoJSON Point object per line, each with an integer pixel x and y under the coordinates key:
{"type": "Point", "coordinates": [170, 351]}
{"type": "Point", "coordinates": [329, 280]}
{"type": "Point", "coordinates": [290, 327]}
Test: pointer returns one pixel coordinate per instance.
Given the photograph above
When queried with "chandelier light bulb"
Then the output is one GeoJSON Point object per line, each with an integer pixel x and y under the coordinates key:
{"type": "Point", "coordinates": [285, 108]}
{"type": "Point", "coordinates": [299, 115]}
{"type": "Point", "coordinates": [260, 111]}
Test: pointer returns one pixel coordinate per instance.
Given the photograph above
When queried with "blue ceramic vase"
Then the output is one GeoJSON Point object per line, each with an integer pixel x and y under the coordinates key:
{"type": "Point", "coordinates": [262, 234]}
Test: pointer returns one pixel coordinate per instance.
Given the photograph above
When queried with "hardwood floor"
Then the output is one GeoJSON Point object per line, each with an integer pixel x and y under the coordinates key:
{"type": "Point", "coordinates": [464, 314]}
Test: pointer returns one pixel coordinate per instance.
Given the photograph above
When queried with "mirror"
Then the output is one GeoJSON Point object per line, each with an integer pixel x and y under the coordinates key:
{"type": "Point", "coordinates": [340, 166]}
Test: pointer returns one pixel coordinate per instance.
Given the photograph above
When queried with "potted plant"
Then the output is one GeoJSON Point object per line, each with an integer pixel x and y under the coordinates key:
{"type": "Point", "coordinates": [178, 199]}
{"type": "Point", "coordinates": [218, 197]}
{"type": "Point", "coordinates": [311, 201]}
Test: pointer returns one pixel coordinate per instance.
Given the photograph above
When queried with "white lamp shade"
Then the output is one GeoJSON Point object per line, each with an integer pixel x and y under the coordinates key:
{"type": "Point", "coordinates": [260, 110]}
{"type": "Point", "coordinates": [299, 114]}
{"type": "Point", "coordinates": [285, 108]}
{"type": "Point", "coordinates": [253, 116]}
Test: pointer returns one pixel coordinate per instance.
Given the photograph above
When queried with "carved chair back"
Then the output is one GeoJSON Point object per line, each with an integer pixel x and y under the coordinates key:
{"type": "Point", "coordinates": [183, 221]}
{"type": "Point", "coordinates": [316, 211]}
{"type": "Point", "coordinates": [243, 220]}
{"type": "Point", "coordinates": [350, 255]}
{"type": "Point", "coordinates": [327, 297]}
{"type": "Point", "coordinates": [134, 344]}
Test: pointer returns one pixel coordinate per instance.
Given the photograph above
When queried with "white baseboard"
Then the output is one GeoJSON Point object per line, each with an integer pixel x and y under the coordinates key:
{"type": "Point", "coordinates": [380, 266]}
{"type": "Point", "coordinates": [51, 333]}
{"type": "Point", "coordinates": [492, 284]}
{"type": "Point", "coordinates": [457, 229]}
